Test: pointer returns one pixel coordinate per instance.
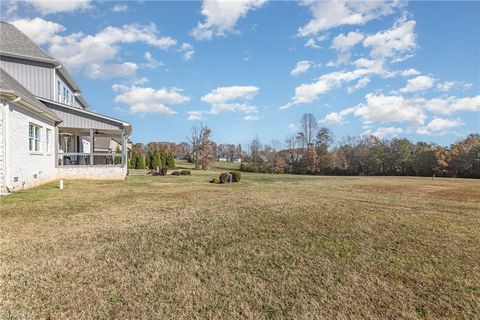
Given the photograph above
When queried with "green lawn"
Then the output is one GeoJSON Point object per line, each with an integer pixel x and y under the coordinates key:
{"type": "Point", "coordinates": [271, 246]}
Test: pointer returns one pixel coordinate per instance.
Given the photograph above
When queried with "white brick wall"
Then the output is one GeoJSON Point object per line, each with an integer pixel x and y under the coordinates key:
{"type": "Point", "coordinates": [94, 172]}
{"type": "Point", "coordinates": [2, 148]}
{"type": "Point", "coordinates": [23, 168]}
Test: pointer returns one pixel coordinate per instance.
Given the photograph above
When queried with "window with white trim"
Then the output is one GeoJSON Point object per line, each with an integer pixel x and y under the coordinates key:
{"type": "Point", "coordinates": [65, 95]}
{"type": "Point", "coordinates": [48, 140]}
{"type": "Point", "coordinates": [34, 138]}
{"type": "Point", "coordinates": [59, 91]}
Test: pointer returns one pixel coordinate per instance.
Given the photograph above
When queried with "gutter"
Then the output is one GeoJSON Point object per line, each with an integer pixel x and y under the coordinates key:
{"type": "Point", "coordinates": [26, 102]}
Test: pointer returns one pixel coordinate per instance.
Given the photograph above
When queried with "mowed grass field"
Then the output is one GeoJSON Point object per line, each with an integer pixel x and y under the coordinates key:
{"type": "Point", "coordinates": [271, 246]}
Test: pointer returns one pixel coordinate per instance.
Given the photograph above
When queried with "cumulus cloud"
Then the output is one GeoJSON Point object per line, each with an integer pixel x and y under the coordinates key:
{"type": "Point", "coordinates": [409, 72]}
{"type": "Point", "coordinates": [384, 132]}
{"type": "Point", "coordinates": [232, 99]}
{"type": "Point", "coordinates": [344, 43]}
{"type": "Point", "coordinates": [301, 67]}
{"type": "Point", "coordinates": [448, 85]}
{"type": "Point", "coordinates": [195, 115]}
{"type": "Point", "coordinates": [151, 63]}
{"type": "Point", "coordinates": [39, 30]}
{"type": "Point", "coordinates": [419, 83]}
{"type": "Point", "coordinates": [381, 108]}
{"type": "Point", "coordinates": [399, 39]}
{"type": "Point", "coordinates": [52, 6]}
{"type": "Point", "coordinates": [187, 51]}
{"type": "Point", "coordinates": [120, 7]}
{"type": "Point", "coordinates": [91, 54]}
{"type": "Point", "coordinates": [337, 117]}
{"type": "Point", "coordinates": [439, 126]}
{"type": "Point", "coordinates": [332, 14]}
{"type": "Point", "coordinates": [149, 100]}
{"type": "Point", "coordinates": [222, 16]}
{"type": "Point", "coordinates": [362, 83]}
{"type": "Point", "coordinates": [450, 105]}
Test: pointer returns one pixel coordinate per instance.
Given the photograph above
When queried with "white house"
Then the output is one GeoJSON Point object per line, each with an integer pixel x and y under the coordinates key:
{"type": "Point", "coordinates": [46, 130]}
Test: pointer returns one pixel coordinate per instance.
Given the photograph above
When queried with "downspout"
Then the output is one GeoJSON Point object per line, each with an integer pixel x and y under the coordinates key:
{"type": "Point", "coordinates": [6, 176]}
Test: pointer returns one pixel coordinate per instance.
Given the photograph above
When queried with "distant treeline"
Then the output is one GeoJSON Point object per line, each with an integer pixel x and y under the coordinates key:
{"type": "Point", "coordinates": [313, 150]}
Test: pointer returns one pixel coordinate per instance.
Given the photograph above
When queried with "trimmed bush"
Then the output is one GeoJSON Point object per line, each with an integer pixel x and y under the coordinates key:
{"type": "Point", "coordinates": [223, 177]}
{"type": "Point", "coordinates": [175, 173]}
{"type": "Point", "coordinates": [236, 176]}
{"type": "Point", "coordinates": [163, 171]}
{"type": "Point", "coordinates": [185, 172]}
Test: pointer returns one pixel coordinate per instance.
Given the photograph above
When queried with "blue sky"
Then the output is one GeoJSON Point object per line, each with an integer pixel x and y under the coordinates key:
{"type": "Point", "coordinates": [252, 67]}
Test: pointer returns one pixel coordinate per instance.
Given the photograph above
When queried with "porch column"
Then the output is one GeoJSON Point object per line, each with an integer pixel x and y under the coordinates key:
{"type": "Point", "coordinates": [124, 149]}
{"type": "Point", "coordinates": [91, 146]}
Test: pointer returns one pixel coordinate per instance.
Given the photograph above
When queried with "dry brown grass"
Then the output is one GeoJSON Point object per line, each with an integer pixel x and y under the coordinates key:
{"type": "Point", "coordinates": [272, 246]}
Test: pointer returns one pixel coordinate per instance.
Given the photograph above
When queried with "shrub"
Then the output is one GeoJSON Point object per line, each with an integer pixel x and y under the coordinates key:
{"type": "Point", "coordinates": [175, 173]}
{"type": "Point", "coordinates": [223, 177]}
{"type": "Point", "coordinates": [214, 180]}
{"type": "Point", "coordinates": [163, 171]}
{"type": "Point", "coordinates": [185, 172]}
{"type": "Point", "coordinates": [236, 176]}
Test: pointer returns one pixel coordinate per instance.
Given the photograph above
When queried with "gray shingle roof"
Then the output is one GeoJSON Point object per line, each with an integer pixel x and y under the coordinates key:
{"type": "Point", "coordinates": [9, 84]}
{"type": "Point", "coordinates": [14, 41]}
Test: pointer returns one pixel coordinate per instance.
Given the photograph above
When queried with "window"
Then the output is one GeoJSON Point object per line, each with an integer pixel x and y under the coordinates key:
{"type": "Point", "coordinates": [48, 139]}
{"type": "Point", "coordinates": [59, 91]}
{"type": "Point", "coordinates": [71, 100]}
{"type": "Point", "coordinates": [65, 95]}
{"type": "Point", "coordinates": [34, 138]}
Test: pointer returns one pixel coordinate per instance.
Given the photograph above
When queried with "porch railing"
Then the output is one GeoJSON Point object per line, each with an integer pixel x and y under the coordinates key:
{"type": "Point", "coordinates": [84, 159]}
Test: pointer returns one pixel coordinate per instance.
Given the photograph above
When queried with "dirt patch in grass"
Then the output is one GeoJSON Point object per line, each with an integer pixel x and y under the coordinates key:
{"type": "Point", "coordinates": [273, 246]}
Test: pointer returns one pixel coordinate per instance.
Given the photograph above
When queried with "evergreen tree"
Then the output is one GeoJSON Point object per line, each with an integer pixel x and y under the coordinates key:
{"type": "Point", "coordinates": [118, 158]}
{"type": "Point", "coordinates": [170, 161]}
{"type": "Point", "coordinates": [149, 159]}
{"type": "Point", "coordinates": [140, 163]}
{"type": "Point", "coordinates": [132, 163]}
{"type": "Point", "coordinates": [156, 160]}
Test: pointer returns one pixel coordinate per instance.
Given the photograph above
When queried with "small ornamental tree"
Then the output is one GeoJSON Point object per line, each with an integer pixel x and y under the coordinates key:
{"type": "Point", "coordinates": [132, 163]}
{"type": "Point", "coordinates": [170, 161]}
{"type": "Point", "coordinates": [140, 163]}
{"type": "Point", "coordinates": [118, 158]}
{"type": "Point", "coordinates": [149, 158]}
{"type": "Point", "coordinates": [157, 160]}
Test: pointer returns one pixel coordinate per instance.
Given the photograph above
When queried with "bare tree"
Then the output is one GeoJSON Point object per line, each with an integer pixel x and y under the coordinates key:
{"type": "Point", "coordinates": [308, 127]}
{"type": "Point", "coordinates": [203, 150]}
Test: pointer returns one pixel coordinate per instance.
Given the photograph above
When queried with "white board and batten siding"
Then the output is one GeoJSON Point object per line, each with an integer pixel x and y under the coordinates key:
{"type": "Point", "coordinates": [37, 77]}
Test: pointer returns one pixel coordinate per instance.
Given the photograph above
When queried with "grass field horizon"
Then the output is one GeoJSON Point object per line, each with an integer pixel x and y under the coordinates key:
{"type": "Point", "coordinates": [271, 246]}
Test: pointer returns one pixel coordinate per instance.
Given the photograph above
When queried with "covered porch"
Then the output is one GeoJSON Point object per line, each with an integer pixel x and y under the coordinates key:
{"type": "Point", "coordinates": [89, 145]}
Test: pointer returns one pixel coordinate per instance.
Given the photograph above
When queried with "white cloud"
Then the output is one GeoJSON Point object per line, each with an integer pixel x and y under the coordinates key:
{"type": "Point", "coordinates": [152, 63]}
{"type": "Point", "coordinates": [384, 132]}
{"type": "Point", "coordinates": [362, 83]}
{"type": "Point", "coordinates": [448, 85]}
{"type": "Point", "coordinates": [309, 92]}
{"type": "Point", "coordinates": [312, 42]}
{"type": "Point", "coordinates": [450, 105]}
{"type": "Point", "coordinates": [104, 71]}
{"type": "Point", "coordinates": [392, 42]}
{"type": "Point", "coordinates": [439, 126]}
{"type": "Point", "coordinates": [409, 72]}
{"type": "Point", "coordinates": [331, 14]}
{"type": "Point", "coordinates": [53, 6]}
{"type": "Point", "coordinates": [292, 127]}
{"type": "Point", "coordinates": [337, 117]}
{"type": "Point", "coordinates": [381, 108]}
{"type": "Point", "coordinates": [187, 51]}
{"type": "Point", "coordinates": [39, 30]}
{"type": "Point", "coordinates": [301, 67]}
{"type": "Point", "coordinates": [195, 115]}
{"type": "Point", "coordinates": [344, 43]}
{"type": "Point", "coordinates": [418, 83]}
{"type": "Point", "coordinates": [221, 17]}
{"type": "Point", "coordinates": [232, 99]}
{"type": "Point", "coordinates": [251, 117]}
{"type": "Point", "coordinates": [120, 7]}
{"type": "Point", "coordinates": [89, 53]}
{"type": "Point", "coordinates": [148, 100]}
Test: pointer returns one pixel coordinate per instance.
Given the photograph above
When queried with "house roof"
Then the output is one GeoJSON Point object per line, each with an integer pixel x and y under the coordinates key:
{"type": "Point", "coordinates": [11, 87]}
{"type": "Point", "coordinates": [14, 41]}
